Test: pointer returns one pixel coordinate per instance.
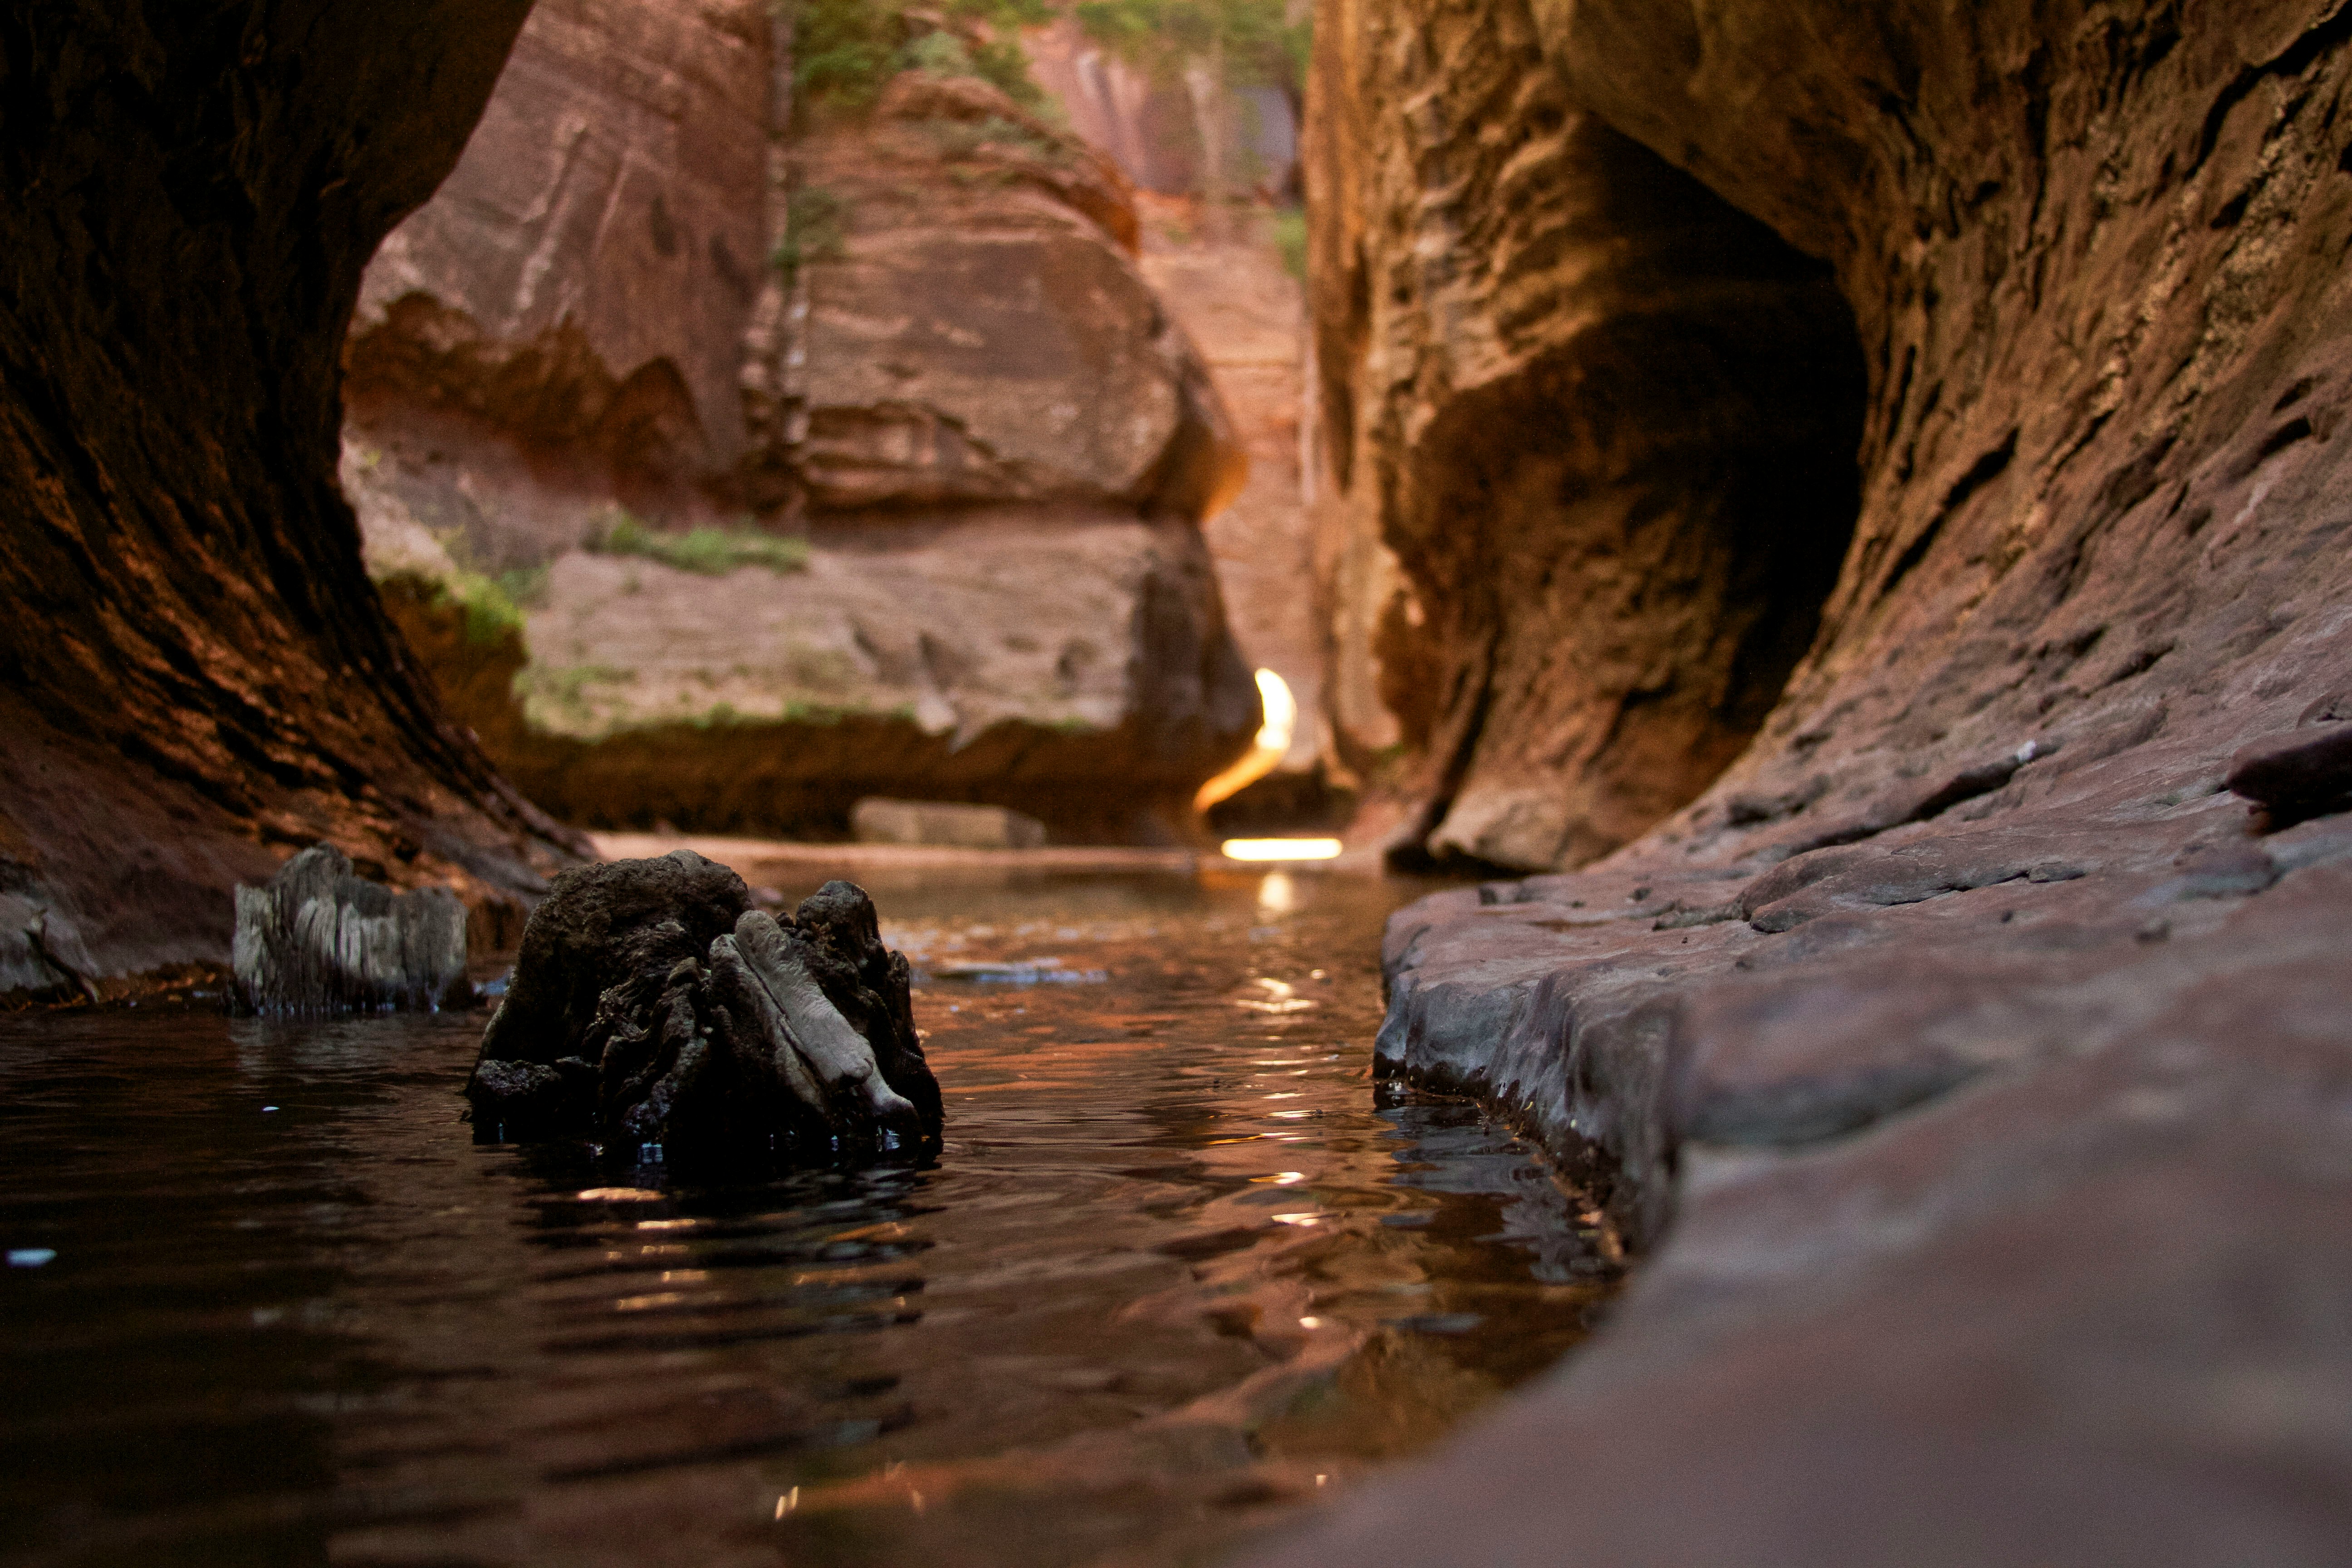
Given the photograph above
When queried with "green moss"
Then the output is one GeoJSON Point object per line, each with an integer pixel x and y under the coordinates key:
{"type": "Point", "coordinates": [1001, 61]}
{"type": "Point", "coordinates": [816, 228]}
{"type": "Point", "coordinates": [555, 696]}
{"type": "Point", "coordinates": [565, 683]}
{"type": "Point", "coordinates": [1257, 40]}
{"type": "Point", "coordinates": [964, 138]}
{"type": "Point", "coordinates": [1290, 240]}
{"type": "Point", "coordinates": [941, 54]}
{"type": "Point", "coordinates": [492, 605]}
{"type": "Point", "coordinates": [713, 552]}
{"type": "Point", "coordinates": [844, 51]}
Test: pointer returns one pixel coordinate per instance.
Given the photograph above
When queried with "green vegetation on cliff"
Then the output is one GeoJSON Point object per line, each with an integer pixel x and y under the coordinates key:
{"type": "Point", "coordinates": [713, 552]}
{"type": "Point", "coordinates": [1242, 43]}
{"type": "Point", "coordinates": [845, 50]}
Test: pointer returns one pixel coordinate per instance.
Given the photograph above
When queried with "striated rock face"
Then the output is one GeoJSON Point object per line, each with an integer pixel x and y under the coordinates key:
{"type": "Point", "coordinates": [1588, 434]}
{"type": "Point", "coordinates": [583, 281]}
{"type": "Point", "coordinates": [1942, 1049]}
{"type": "Point", "coordinates": [932, 367]}
{"type": "Point", "coordinates": [194, 676]}
{"type": "Point", "coordinates": [1156, 129]}
{"type": "Point", "coordinates": [970, 337]}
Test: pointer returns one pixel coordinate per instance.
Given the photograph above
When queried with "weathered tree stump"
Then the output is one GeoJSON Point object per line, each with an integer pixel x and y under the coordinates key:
{"type": "Point", "coordinates": [652, 1006]}
{"type": "Point", "coordinates": [319, 939]}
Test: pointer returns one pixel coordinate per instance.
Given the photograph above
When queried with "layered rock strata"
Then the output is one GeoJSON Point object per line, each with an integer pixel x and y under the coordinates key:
{"type": "Point", "coordinates": [1970, 1061]}
{"type": "Point", "coordinates": [654, 1009]}
{"type": "Point", "coordinates": [1586, 434]}
{"type": "Point", "coordinates": [884, 387]}
{"type": "Point", "coordinates": [195, 676]}
{"type": "Point", "coordinates": [1002, 657]}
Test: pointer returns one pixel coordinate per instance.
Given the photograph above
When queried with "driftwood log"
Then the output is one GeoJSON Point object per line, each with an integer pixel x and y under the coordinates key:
{"type": "Point", "coordinates": [654, 1009]}
{"type": "Point", "coordinates": [319, 939]}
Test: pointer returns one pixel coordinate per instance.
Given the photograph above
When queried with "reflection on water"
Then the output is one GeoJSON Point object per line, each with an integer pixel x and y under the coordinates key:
{"type": "Point", "coordinates": [1176, 1272]}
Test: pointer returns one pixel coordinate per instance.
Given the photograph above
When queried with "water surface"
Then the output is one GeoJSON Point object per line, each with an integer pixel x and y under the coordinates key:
{"type": "Point", "coordinates": [1179, 1274]}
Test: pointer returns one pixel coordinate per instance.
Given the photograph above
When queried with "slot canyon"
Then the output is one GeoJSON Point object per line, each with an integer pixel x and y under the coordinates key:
{"type": "Point", "coordinates": [1795, 1009]}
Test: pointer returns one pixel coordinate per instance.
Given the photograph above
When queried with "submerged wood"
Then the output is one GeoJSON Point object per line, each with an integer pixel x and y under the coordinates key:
{"type": "Point", "coordinates": [319, 939]}
{"type": "Point", "coordinates": [653, 1009]}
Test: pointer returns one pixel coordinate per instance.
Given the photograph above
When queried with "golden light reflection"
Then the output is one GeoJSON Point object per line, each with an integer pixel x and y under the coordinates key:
{"type": "Point", "coordinates": [641, 1303]}
{"type": "Point", "coordinates": [1259, 850]}
{"type": "Point", "coordinates": [1280, 721]}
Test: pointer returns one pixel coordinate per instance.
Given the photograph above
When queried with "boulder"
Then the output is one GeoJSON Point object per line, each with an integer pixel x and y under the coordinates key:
{"type": "Point", "coordinates": [1079, 671]}
{"type": "Point", "coordinates": [973, 329]}
{"type": "Point", "coordinates": [569, 311]}
{"type": "Point", "coordinates": [888, 389]}
{"type": "Point", "coordinates": [654, 1009]}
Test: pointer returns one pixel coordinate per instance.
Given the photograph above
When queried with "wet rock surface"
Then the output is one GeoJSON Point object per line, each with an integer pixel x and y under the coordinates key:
{"type": "Point", "coordinates": [652, 1006]}
{"type": "Point", "coordinates": [1971, 1059]}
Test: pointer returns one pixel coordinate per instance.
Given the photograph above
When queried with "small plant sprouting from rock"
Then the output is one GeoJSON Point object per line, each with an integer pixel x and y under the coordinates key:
{"type": "Point", "coordinates": [815, 229]}
{"type": "Point", "coordinates": [964, 139]}
{"type": "Point", "coordinates": [492, 603]}
{"type": "Point", "coordinates": [712, 552]}
{"type": "Point", "coordinates": [1290, 240]}
{"type": "Point", "coordinates": [845, 50]}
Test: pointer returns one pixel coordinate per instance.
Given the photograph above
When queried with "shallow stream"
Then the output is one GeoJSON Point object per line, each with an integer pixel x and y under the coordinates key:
{"type": "Point", "coordinates": [1181, 1273]}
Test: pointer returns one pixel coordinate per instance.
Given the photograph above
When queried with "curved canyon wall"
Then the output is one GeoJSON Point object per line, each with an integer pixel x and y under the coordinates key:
{"type": "Point", "coordinates": [1588, 437]}
{"type": "Point", "coordinates": [1969, 1060]}
{"type": "Point", "coordinates": [945, 453]}
{"type": "Point", "coordinates": [197, 676]}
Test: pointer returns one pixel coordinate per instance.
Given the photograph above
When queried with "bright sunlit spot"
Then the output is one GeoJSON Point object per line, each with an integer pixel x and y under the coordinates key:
{"type": "Point", "coordinates": [1279, 722]}
{"type": "Point", "coordinates": [1282, 848]}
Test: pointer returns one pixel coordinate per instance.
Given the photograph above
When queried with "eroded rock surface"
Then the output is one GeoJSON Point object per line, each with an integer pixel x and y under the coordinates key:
{"type": "Point", "coordinates": [1586, 434]}
{"type": "Point", "coordinates": [1007, 658]}
{"type": "Point", "coordinates": [651, 1006]}
{"type": "Point", "coordinates": [1970, 1062]}
{"type": "Point", "coordinates": [194, 676]}
{"type": "Point", "coordinates": [975, 334]}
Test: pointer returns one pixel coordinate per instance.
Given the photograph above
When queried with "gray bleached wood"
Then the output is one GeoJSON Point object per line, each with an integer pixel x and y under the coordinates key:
{"type": "Point", "coordinates": [319, 939]}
